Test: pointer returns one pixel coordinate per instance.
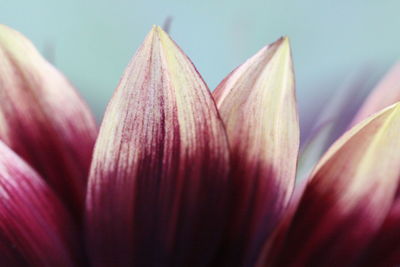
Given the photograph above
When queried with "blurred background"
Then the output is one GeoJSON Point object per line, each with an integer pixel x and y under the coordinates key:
{"type": "Point", "coordinates": [336, 44]}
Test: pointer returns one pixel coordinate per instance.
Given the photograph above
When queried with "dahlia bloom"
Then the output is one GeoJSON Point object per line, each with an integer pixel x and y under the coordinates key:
{"type": "Point", "coordinates": [179, 176]}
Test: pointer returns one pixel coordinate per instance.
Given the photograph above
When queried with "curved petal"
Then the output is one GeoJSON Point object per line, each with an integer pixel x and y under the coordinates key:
{"type": "Point", "coordinates": [386, 93]}
{"type": "Point", "coordinates": [332, 121]}
{"type": "Point", "coordinates": [35, 229]}
{"type": "Point", "coordinates": [43, 119]}
{"type": "Point", "coordinates": [158, 181]}
{"type": "Point", "coordinates": [258, 106]}
{"type": "Point", "coordinates": [348, 197]}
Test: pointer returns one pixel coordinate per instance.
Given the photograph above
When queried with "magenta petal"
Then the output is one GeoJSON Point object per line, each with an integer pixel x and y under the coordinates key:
{"type": "Point", "coordinates": [158, 182]}
{"type": "Point", "coordinates": [43, 119]}
{"type": "Point", "coordinates": [384, 250]}
{"type": "Point", "coordinates": [348, 196]}
{"type": "Point", "coordinates": [35, 229]}
{"type": "Point", "coordinates": [272, 248]}
{"type": "Point", "coordinates": [258, 106]}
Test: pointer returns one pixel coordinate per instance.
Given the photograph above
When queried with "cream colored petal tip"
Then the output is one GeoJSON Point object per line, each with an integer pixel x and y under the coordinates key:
{"type": "Point", "coordinates": [162, 148]}
{"type": "Point", "coordinates": [258, 106]}
{"type": "Point", "coordinates": [349, 195]}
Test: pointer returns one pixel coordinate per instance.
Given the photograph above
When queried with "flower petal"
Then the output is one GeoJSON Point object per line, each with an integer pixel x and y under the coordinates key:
{"type": "Point", "coordinates": [158, 181]}
{"type": "Point", "coordinates": [349, 194]}
{"type": "Point", "coordinates": [35, 229]}
{"type": "Point", "coordinates": [273, 246]}
{"type": "Point", "coordinates": [384, 250]}
{"type": "Point", "coordinates": [332, 121]}
{"type": "Point", "coordinates": [257, 103]}
{"type": "Point", "coordinates": [386, 93]}
{"type": "Point", "coordinates": [43, 119]}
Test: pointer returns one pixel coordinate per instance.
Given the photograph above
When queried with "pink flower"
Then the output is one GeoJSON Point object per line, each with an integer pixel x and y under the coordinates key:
{"type": "Point", "coordinates": [180, 176]}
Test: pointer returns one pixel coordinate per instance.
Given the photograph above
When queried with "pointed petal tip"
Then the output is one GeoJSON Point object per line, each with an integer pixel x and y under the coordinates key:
{"type": "Point", "coordinates": [284, 48]}
{"type": "Point", "coordinates": [155, 29]}
{"type": "Point", "coordinates": [157, 36]}
{"type": "Point", "coordinates": [393, 111]}
{"type": "Point", "coordinates": [158, 31]}
{"type": "Point", "coordinates": [163, 121]}
{"type": "Point", "coordinates": [349, 194]}
{"type": "Point", "coordinates": [282, 44]}
{"type": "Point", "coordinates": [55, 138]}
{"type": "Point", "coordinates": [284, 40]}
{"type": "Point", "coordinates": [258, 105]}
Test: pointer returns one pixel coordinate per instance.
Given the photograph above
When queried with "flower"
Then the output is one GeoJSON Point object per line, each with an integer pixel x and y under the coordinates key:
{"type": "Point", "coordinates": [179, 176]}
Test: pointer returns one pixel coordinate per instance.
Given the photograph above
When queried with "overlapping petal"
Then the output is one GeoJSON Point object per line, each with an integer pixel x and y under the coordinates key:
{"type": "Point", "coordinates": [274, 243]}
{"type": "Point", "coordinates": [158, 183]}
{"type": "Point", "coordinates": [258, 106]}
{"type": "Point", "coordinates": [348, 197]}
{"type": "Point", "coordinates": [178, 180]}
{"type": "Point", "coordinates": [386, 93]}
{"type": "Point", "coordinates": [332, 121]}
{"type": "Point", "coordinates": [43, 119]}
{"type": "Point", "coordinates": [35, 228]}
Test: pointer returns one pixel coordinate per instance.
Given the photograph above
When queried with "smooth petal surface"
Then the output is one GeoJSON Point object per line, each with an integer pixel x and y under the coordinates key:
{"type": "Point", "coordinates": [158, 182]}
{"type": "Point", "coordinates": [43, 119]}
{"type": "Point", "coordinates": [386, 93]}
{"type": "Point", "coordinates": [258, 106]}
{"type": "Point", "coordinates": [35, 229]}
{"type": "Point", "coordinates": [273, 246]}
{"type": "Point", "coordinates": [348, 197]}
{"type": "Point", "coordinates": [384, 250]}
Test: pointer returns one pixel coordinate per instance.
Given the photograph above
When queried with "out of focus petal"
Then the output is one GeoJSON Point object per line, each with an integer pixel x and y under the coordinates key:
{"type": "Point", "coordinates": [332, 121]}
{"type": "Point", "coordinates": [348, 197]}
{"type": "Point", "coordinates": [384, 250]}
{"type": "Point", "coordinates": [35, 229]}
{"type": "Point", "coordinates": [386, 93]}
{"type": "Point", "coordinates": [258, 106]}
{"type": "Point", "coordinates": [312, 150]}
{"type": "Point", "coordinates": [158, 182]}
{"type": "Point", "coordinates": [43, 119]}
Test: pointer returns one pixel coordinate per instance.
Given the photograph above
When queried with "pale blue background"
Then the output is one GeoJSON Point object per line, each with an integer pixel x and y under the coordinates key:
{"type": "Point", "coordinates": [91, 41]}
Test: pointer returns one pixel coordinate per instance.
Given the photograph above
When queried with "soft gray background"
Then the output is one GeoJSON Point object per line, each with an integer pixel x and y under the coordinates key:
{"type": "Point", "coordinates": [91, 41]}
